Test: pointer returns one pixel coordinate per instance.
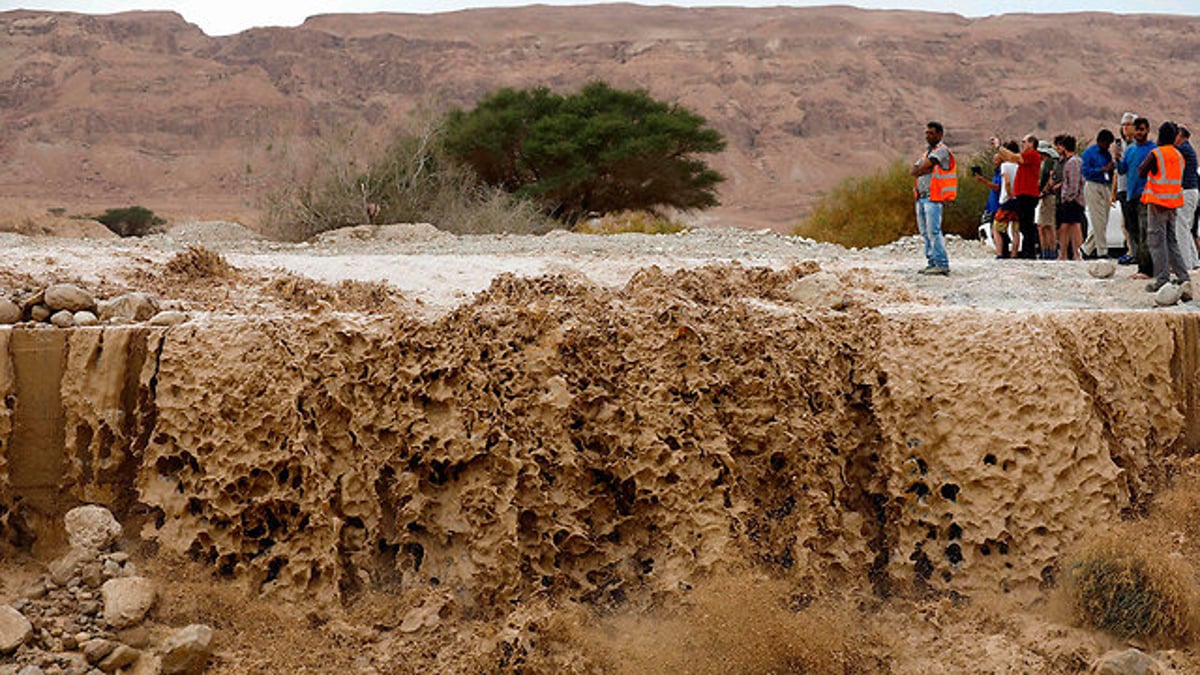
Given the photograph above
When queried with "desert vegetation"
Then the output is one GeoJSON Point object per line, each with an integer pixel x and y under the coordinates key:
{"type": "Point", "coordinates": [132, 221]}
{"type": "Point", "coordinates": [877, 208]}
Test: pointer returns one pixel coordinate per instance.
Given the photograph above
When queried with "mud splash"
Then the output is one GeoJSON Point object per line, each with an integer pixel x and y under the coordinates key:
{"type": "Point", "coordinates": [558, 441]}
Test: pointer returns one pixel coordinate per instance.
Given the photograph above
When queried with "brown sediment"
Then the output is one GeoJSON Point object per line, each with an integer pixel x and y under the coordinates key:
{"type": "Point", "coordinates": [558, 441]}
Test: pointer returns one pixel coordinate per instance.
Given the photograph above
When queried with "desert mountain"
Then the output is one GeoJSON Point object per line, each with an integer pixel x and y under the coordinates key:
{"type": "Point", "coordinates": [101, 111]}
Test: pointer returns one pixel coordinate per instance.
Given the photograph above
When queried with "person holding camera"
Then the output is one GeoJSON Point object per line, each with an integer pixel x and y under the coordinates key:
{"type": "Point", "coordinates": [1027, 192]}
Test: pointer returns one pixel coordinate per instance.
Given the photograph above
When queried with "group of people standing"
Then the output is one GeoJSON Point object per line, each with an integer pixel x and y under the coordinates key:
{"type": "Point", "coordinates": [1156, 183]}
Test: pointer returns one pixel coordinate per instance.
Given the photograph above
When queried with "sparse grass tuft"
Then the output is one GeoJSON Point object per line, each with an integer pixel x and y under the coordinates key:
{"type": "Point", "coordinates": [1131, 585]}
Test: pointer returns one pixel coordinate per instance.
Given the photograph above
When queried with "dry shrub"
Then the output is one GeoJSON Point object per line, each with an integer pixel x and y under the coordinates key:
{"type": "Point", "coordinates": [302, 293]}
{"type": "Point", "coordinates": [747, 625]}
{"type": "Point", "coordinates": [637, 222]}
{"type": "Point", "coordinates": [198, 262]}
{"type": "Point", "coordinates": [1129, 582]}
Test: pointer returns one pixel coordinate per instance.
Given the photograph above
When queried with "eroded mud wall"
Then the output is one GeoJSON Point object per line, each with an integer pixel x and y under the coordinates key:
{"type": "Point", "coordinates": [553, 437]}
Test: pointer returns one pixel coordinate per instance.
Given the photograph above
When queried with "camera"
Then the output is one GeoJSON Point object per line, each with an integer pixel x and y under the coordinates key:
{"type": "Point", "coordinates": [976, 171]}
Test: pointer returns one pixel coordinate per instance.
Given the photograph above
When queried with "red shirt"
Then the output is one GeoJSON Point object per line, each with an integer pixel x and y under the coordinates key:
{"type": "Point", "coordinates": [1028, 172]}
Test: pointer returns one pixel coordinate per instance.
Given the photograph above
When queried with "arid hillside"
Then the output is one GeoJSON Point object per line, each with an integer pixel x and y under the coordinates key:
{"type": "Point", "coordinates": [145, 108]}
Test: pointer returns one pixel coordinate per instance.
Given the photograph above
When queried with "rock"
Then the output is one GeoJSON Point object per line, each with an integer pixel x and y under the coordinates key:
{"type": "Point", "coordinates": [68, 297]}
{"type": "Point", "coordinates": [39, 312]}
{"type": "Point", "coordinates": [15, 629]}
{"type": "Point", "coordinates": [187, 650]}
{"type": "Point", "coordinates": [1167, 295]}
{"type": "Point", "coordinates": [1128, 662]}
{"type": "Point", "coordinates": [91, 527]}
{"type": "Point", "coordinates": [95, 649]}
{"type": "Point", "coordinates": [168, 317]}
{"type": "Point", "coordinates": [1102, 269]}
{"type": "Point", "coordinates": [820, 289]}
{"type": "Point", "coordinates": [147, 664]}
{"type": "Point", "coordinates": [66, 567]}
{"type": "Point", "coordinates": [63, 319]}
{"type": "Point", "coordinates": [31, 670]}
{"type": "Point", "coordinates": [10, 312]}
{"type": "Point", "coordinates": [86, 318]}
{"type": "Point", "coordinates": [1185, 291]}
{"type": "Point", "coordinates": [127, 600]}
{"type": "Point", "coordinates": [130, 307]}
{"type": "Point", "coordinates": [122, 656]}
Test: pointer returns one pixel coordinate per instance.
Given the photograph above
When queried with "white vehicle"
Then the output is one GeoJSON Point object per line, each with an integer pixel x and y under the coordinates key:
{"type": "Point", "coordinates": [1115, 234]}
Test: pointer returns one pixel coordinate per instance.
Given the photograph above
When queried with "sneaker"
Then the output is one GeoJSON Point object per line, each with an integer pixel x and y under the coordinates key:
{"type": "Point", "coordinates": [1153, 286]}
{"type": "Point", "coordinates": [939, 271]}
{"type": "Point", "coordinates": [1185, 291]}
{"type": "Point", "coordinates": [1126, 260]}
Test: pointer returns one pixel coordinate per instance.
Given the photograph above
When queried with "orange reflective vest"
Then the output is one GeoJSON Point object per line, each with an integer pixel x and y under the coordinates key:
{"type": "Point", "coordinates": [1164, 186]}
{"type": "Point", "coordinates": [943, 183]}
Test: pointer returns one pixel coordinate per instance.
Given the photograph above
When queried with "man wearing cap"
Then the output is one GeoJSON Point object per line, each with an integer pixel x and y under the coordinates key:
{"type": "Point", "coordinates": [1029, 164]}
{"type": "Point", "coordinates": [1162, 171]}
{"type": "Point", "coordinates": [1097, 170]}
{"type": "Point", "coordinates": [1191, 192]}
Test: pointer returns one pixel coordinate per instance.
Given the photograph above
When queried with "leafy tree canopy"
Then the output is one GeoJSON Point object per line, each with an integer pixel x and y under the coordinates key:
{"type": "Point", "coordinates": [598, 151]}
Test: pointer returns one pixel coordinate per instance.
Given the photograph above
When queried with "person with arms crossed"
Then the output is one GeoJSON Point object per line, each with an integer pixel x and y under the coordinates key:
{"type": "Point", "coordinates": [936, 183]}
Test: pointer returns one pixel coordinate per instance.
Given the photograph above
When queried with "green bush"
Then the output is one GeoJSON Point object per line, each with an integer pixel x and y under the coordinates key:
{"type": "Point", "coordinates": [346, 183]}
{"type": "Point", "coordinates": [132, 221]}
{"type": "Point", "coordinates": [878, 208]}
{"type": "Point", "coordinates": [598, 151]}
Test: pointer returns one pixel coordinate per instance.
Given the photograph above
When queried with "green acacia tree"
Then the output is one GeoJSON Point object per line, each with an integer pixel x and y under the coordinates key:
{"type": "Point", "coordinates": [598, 151]}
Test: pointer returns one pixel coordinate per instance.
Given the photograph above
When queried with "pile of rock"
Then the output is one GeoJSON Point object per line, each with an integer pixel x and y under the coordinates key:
{"type": "Point", "coordinates": [85, 615]}
{"type": "Point", "coordinates": [68, 305]}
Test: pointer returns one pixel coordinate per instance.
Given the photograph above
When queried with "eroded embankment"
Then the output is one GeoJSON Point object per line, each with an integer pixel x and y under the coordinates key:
{"type": "Point", "coordinates": [557, 438]}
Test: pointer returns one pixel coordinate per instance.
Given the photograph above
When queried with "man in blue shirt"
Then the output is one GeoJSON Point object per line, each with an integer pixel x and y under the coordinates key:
{"type": "Point", "coordinates": [1191, 192]}
{"type": "Point", "coordinates": [1097, 190]}
{"type": "Point", "coordinates": [1132, 208]}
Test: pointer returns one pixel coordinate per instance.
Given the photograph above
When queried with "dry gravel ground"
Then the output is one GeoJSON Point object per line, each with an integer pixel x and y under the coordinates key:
{"type": "Point", "coordinates": [440, 270]}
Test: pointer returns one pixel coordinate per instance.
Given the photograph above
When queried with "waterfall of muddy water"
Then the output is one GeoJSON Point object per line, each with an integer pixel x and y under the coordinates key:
{"type": "Point", "coordinates": [555, 438]}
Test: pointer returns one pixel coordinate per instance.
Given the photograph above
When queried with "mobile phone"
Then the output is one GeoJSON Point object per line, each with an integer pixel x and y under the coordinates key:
{"type": "Point", "coordinates": [976, 171]}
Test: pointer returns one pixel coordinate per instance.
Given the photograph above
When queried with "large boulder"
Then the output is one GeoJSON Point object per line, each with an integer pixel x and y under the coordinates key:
{"type": "Point", "coordinates": [130, 307]}
{"type": "Point", "coordinates": [91, 527]}
{"type": "Point", "coordinates": [127, 600]}
{"type": "Point", "coordinates": [69, 297]}
{"type": "Point", "coordinates": [187, 650]}
{"type": "Point", "coordinates": [15, 629]}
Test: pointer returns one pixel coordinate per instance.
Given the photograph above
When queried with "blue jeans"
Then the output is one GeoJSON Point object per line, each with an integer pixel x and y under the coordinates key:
{"type": "Point", "coordinates": [929, 222]}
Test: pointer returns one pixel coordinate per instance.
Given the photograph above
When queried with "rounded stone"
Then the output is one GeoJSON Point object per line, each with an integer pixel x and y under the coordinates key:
{"type": "Point", "coordinates": [69, 297]}
{"type": "Point", "coordinates": [63, 319]}
{"type": "Point", "coordinates": [127, 600]}
{"type": "Point", "coordinates": [39, 312]}
{"type": "Point", "coordinates": [168, 317]}
{"type": "Point", "coordinates": [15, 629]}
{"type": "Point", "coordinates": [10, 312]}
{"type": "Point", "coordinates": [91, 527]}
{"type": "Point", "coordinates": [820, 289]}
{"type": "Point", "coordinates": [1102, 269]}
{"type": "Point", "coordinates": [130, 307]}
{"type": "Point", "coordinates": [1167, 295]}
{"type": "Point", "coordinates": [86, 318]}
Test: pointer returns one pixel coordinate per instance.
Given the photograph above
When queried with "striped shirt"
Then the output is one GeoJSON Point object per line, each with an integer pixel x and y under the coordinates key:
{"type": "Point", "coordinates": [1072, 185]}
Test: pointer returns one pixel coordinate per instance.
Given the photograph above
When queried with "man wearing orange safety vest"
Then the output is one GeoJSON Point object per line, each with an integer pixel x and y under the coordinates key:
{"type": "Point", "coordinates": [936, 184]}
{"type": "Point", "coordinates": [1163, 171]}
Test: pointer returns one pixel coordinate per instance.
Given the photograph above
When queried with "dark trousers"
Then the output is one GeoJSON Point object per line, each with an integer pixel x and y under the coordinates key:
{"type": "Point", "coordinates": [1026, 208]}
{"type": "Point", "coordinates": [1129, 212]}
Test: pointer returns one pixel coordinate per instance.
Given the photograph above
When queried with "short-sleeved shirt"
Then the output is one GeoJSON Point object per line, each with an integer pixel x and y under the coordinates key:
{"type": "Point", "coordinates": [1008, 170]}
{"type": "Point", "coordinates": [1190, 180]}
{"type": "Point", "coordinates": [939, 155]}
{"type": "Point", "coordinates": [1028, 173]}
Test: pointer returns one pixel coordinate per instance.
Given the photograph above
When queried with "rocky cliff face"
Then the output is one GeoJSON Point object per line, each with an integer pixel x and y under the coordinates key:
{"type": "Point", "coordinates": [144, 107]}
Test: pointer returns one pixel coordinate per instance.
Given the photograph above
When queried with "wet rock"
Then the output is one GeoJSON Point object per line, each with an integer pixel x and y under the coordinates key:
{"type": "Point", "coordinates": [10, 312]}
{"type": "Point", "coordinates": [39, 312]}
{"type": "Point", "coordinates": [86, 318]}
{"type": "Point", "coordinates": [1102, 269]}
{"type": "Point", "coordinates": [15, 629]}
{"type": "Point", "coordinates": [122, 656]}
{"type": "Point", "coordinates": [130, 307]}
{"type": "Point", "coordinates": [91, 527]}
{"type": "Point", "coordinates": [68, 297]}
{"type": "Point", "coordinates": [820, 289]}
{"type": "Point", "coordinates": [187, 650]}
{"type": "Point", "coordinates": [1128, 662]}
{"type": "Point", "coordinates": [168, 317]}
{"type": "Point", "coordinates": [1167, 295]}
{"type": "Point", "coordinates": [63, 319]}
{"type": "Point", "coordinates": [127, 600]}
